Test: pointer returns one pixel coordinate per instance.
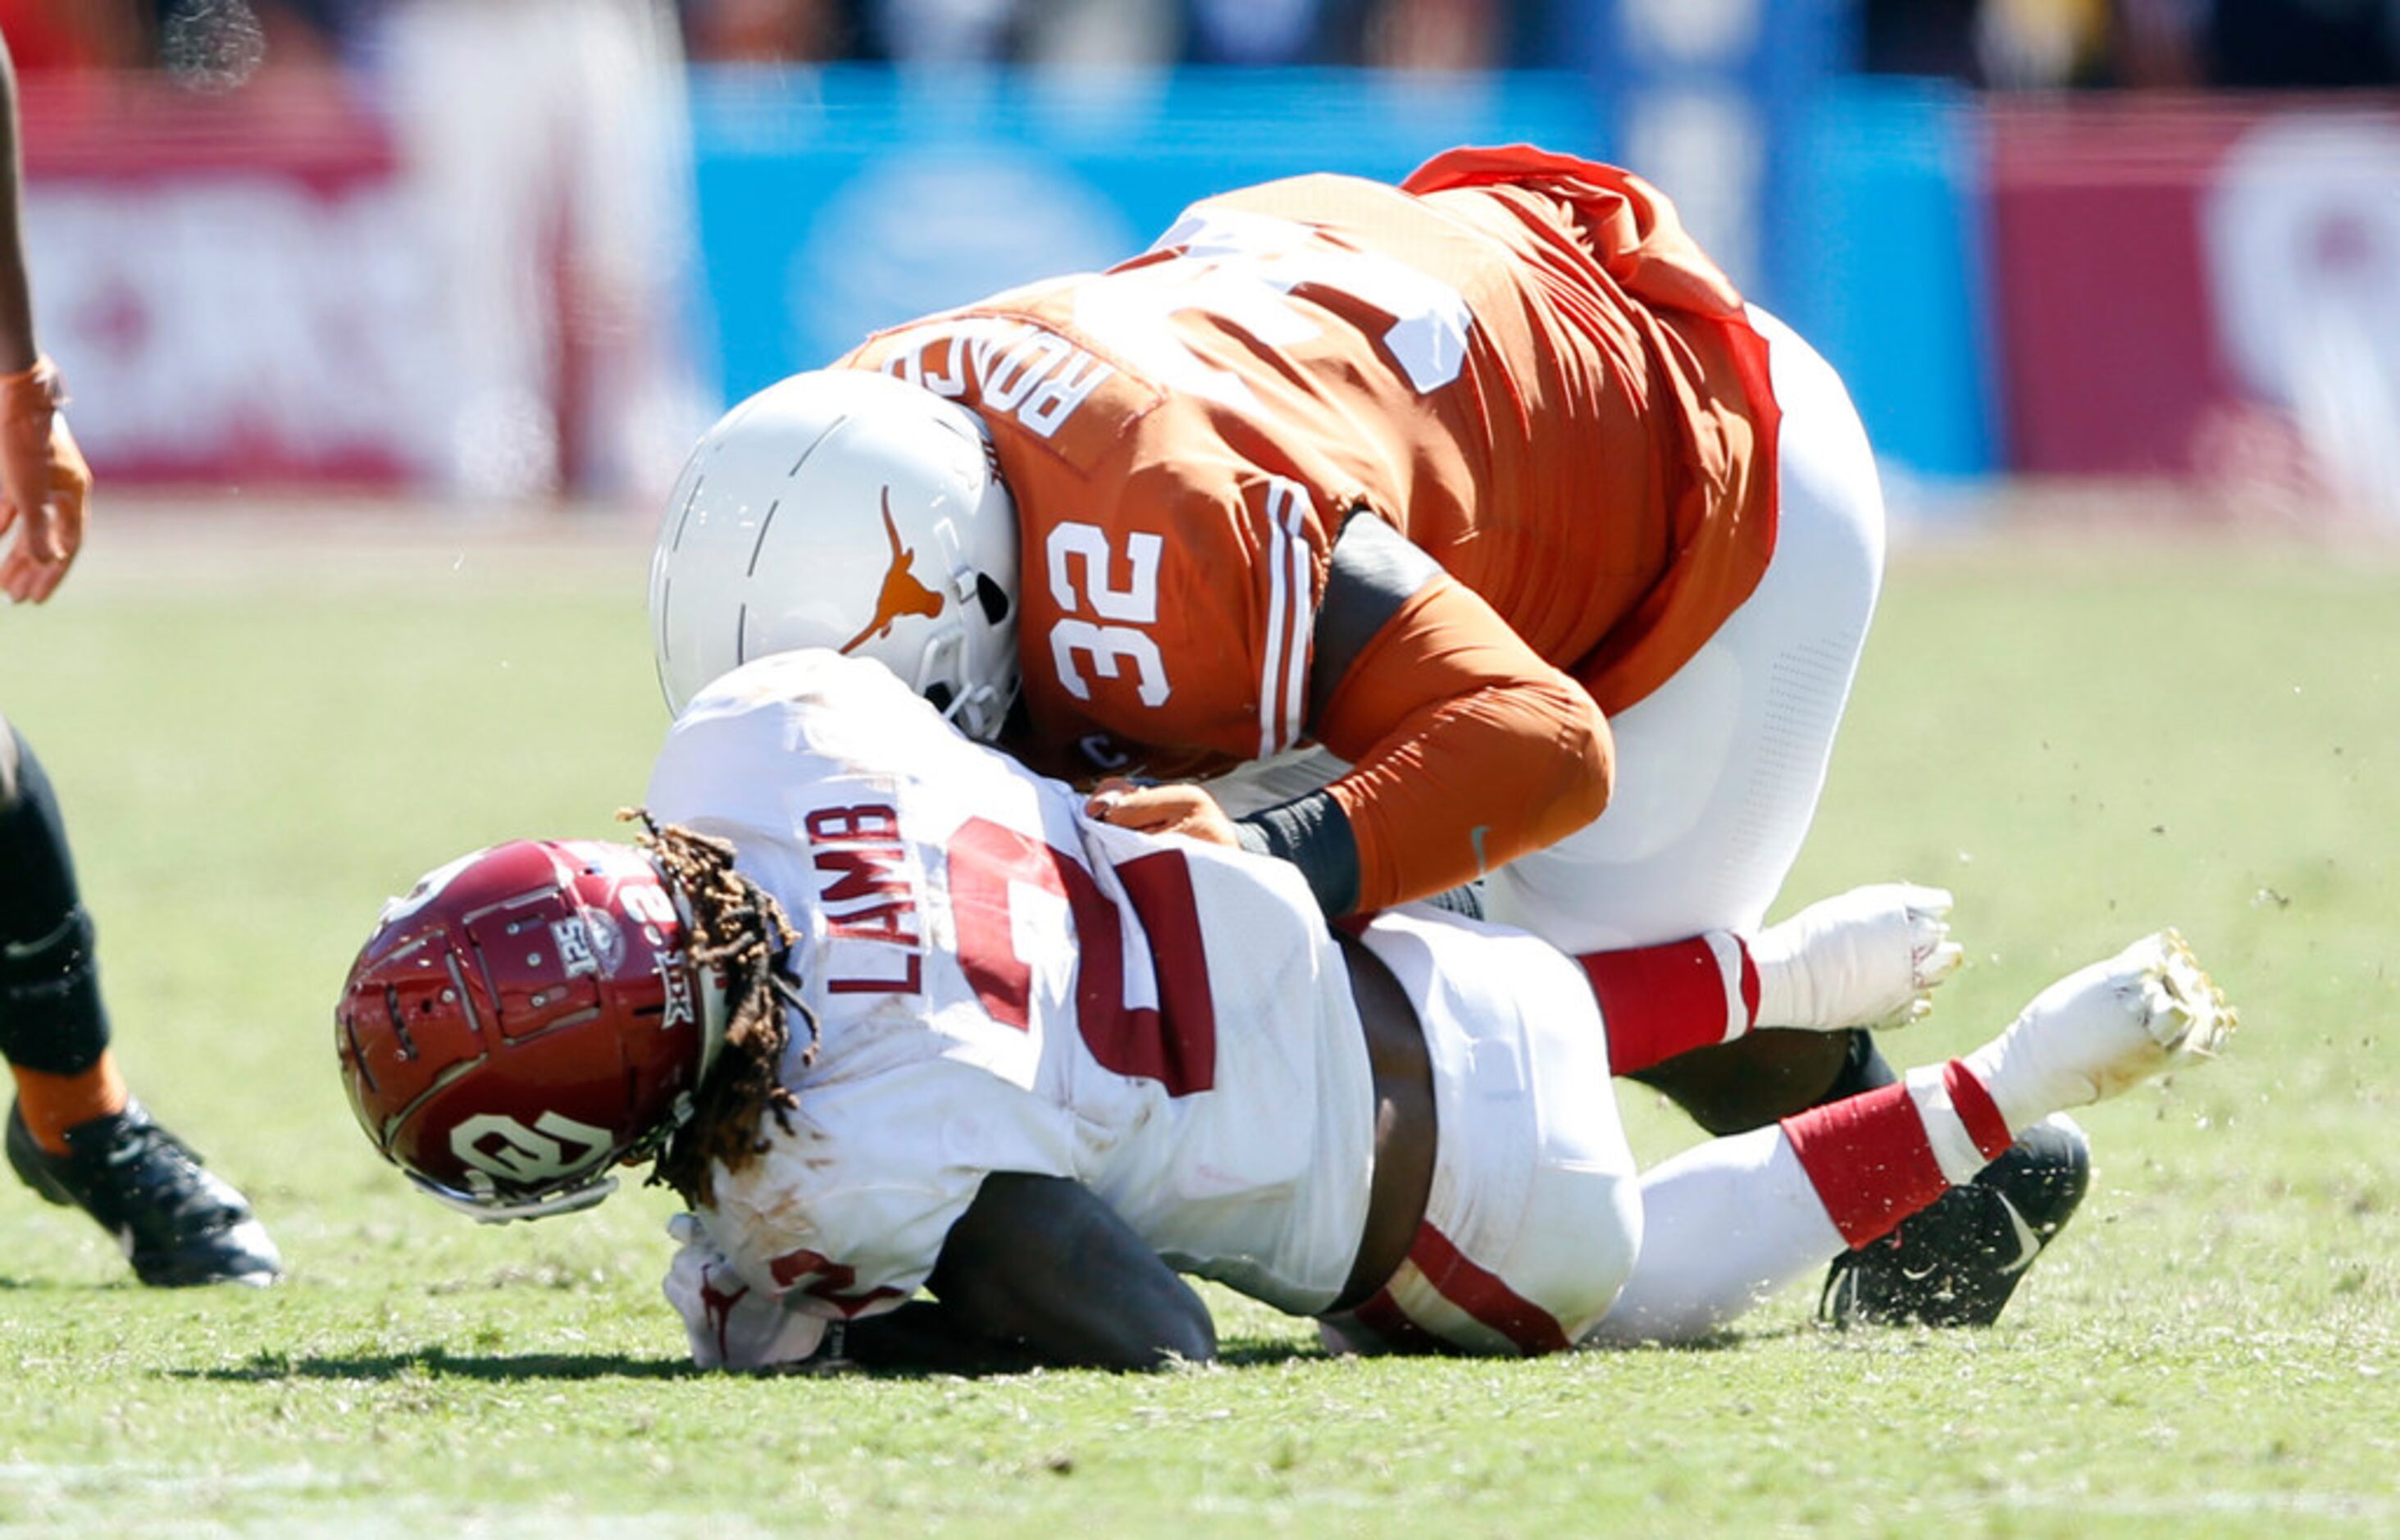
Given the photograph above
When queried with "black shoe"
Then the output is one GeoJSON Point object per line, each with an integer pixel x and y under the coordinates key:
{"type": "Point", "coordinates": [1956, 1262]}
{"type": "Point", "coordinates": [177, 1223]}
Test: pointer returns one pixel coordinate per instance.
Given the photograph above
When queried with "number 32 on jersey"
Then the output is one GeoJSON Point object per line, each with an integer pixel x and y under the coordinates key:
{"type": "Point", "coordinates": [1105, 606]}
{"type": "Point", "coordinates": [1108, 598]}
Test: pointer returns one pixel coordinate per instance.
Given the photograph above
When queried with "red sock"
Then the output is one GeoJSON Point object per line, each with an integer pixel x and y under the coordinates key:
{"type": "Point", "coordinates": [1875, 1159]}
{"type": "Point", "coordinates": [1662, 1000]}
{"type": "Point", "coordinates": [52, 1104]}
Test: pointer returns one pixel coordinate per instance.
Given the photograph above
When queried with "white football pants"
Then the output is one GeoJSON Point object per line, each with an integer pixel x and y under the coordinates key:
{"type": "Point", "coordinates": [1718, 770]}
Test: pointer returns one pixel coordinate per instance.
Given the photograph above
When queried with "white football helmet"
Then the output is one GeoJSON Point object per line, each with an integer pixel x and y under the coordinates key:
{"type": "Point", "coordinates": [850, 511]}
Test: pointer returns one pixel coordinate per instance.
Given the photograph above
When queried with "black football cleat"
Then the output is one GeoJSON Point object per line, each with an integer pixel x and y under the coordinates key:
{"type": "Point", "coordinates": [1956, 1262]}
{"type": "Point", "coordinates": [179, 1222]}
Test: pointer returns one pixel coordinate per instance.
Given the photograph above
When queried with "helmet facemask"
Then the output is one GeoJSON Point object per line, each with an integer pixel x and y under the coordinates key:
{"type": "Point", "coordinates": [967, 665]}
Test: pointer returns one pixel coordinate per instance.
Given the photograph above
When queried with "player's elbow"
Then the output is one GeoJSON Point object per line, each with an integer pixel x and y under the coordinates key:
{"type": "Point", "coordinates": [1583, 768]}
{"type": "Point", "coordinates": [1179, 1331]}
{"type": "Point", "coordinates": [1195, 1333]}
{"type": "Point", "coordinates": [1144, 1351]}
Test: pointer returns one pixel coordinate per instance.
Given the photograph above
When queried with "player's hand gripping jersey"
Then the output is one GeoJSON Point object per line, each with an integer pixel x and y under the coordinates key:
{"type": "Point", "coordinates": [1520, 361]}
{"type": "Point", "coordinates": [1000, 985]}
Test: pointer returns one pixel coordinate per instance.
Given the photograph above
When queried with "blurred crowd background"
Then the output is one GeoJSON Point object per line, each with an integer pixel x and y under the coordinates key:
{"type": "Point", "coordinates": [506, 250]}
{"type": "Point", "coordinates": [2002, 43]}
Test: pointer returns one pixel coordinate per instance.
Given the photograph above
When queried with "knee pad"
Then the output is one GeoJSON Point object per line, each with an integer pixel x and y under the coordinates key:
{"type": "Point", "coordinates": [50, 1013]}
{"type": "Point", "coordinates": [37, 884]}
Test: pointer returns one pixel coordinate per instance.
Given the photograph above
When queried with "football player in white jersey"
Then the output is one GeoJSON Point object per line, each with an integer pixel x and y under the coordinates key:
{"type": "Point", "coordinates": [891, 1013]}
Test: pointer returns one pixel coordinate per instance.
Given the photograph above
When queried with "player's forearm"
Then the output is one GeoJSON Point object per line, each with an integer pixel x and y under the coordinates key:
{"type": "Point", "coordinates": [922, 1336]}
{"type": "Point", "coordinates": [1469, 749]}
{"type": "Point", "coordinates": [1042, 1262]}
{"type": "Point", "coordinates": [1313, 833]}
{"type": "Point", "coordinates": [932, 1336]}
{"type": "Point", "coordinates": [1472, 786]}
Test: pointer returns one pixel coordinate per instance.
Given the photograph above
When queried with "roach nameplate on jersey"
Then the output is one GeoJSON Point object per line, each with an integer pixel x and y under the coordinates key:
{"type": "Point", "coordinates": [1014, 367]}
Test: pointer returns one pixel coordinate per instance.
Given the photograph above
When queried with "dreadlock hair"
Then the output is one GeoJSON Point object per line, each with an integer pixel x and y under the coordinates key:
{"type": "Point", "coordinates": [738, 929]}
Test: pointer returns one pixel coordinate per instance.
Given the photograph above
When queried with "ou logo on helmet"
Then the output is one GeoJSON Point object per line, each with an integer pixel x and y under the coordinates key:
{"type": "Point", "coordinates": [495, 1145]}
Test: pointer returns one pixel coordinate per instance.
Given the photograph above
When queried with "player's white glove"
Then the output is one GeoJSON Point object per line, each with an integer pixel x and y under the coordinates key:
{"type": "Point", "coordinates": [731, 1325]}
{"type": "Point", "coordinates": [1868, 958]}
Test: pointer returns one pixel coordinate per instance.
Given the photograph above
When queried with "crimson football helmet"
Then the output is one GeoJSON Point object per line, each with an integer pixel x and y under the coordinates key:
{"type": "Point", "coordinates": [522, 1020]}
{"type": "Point", "coordinates": [848, 511]}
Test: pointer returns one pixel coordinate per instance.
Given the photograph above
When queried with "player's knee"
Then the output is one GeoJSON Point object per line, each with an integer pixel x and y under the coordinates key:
{"type": "Point", "coordinates": [38, 887]}
{"type": "Point", "coordinates": [51, 1018]}
{"type": "Point", "coordinates": [1753, 1081]}
{"type": "Point", "coordinates": [1583, 1235]}
{"type": "Point", "coordinates": [1181, 1333]}
{"type": "Point", "coordinates": [1615, 1246]}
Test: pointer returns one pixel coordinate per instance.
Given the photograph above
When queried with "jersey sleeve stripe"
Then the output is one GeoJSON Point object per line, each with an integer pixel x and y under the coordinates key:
{"type": "Point", "coordinates": [1295, 672]}
{"type": "Point", "coordinates": [1278, 620]}
{"type": "Point", "coordinates": [1284, 677]}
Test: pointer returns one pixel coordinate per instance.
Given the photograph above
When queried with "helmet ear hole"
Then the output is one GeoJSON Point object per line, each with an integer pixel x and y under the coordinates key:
{"type": "Point", "coordinates": [940, 695]}
{"type": "Point", "coordinates": [993, 598]}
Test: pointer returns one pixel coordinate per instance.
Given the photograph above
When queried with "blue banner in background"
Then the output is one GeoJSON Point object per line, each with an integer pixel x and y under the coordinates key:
{"type": "Point", "coordinates": [1886, 268]}
{"type": "Point", "coordinates": [835, 202]}
{"type": "Point", "coordinates": [1850, 207]}
{"type": "Point", "coordinates": [1702, 97]}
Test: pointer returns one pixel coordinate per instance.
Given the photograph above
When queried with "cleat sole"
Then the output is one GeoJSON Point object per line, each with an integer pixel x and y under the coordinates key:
{"type": "Point", "coordinates": [2187, 1014]}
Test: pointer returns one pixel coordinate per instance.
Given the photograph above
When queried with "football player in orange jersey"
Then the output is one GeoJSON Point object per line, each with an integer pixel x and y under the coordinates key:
{"type": "Point", "coordinates": [1469, 530]}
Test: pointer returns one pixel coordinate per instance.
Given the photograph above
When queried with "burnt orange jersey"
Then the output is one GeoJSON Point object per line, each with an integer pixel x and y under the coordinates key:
{"type": "Point", "coordinates": [1519, 360]}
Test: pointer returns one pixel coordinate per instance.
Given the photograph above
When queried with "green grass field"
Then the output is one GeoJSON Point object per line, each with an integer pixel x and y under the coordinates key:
{"type": "Point", "coordinates": [260, 730]}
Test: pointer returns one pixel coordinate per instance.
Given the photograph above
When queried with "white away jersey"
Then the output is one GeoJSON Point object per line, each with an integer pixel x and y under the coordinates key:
{"type": "Point", "coordinates": [1005, 986]}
